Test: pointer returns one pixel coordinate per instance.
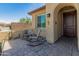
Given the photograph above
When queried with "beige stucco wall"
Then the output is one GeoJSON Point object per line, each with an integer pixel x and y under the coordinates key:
{"type": "Point", "coordinates": [4, 35]}
{"type": "Point", "coordinates": [54, 22]}
{"type": "Point", "coordinates": [53, 30]}
{"type": "Point", "coordinates": [77, 25]}
{"type": "Point", "coordinates": [17, 28]}
{"type": "Point", "coordinates": [34, 20]}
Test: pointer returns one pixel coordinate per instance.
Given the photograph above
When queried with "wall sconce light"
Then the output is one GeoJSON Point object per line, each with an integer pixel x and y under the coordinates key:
{"type": "Point", "coordinates": [48, 14]}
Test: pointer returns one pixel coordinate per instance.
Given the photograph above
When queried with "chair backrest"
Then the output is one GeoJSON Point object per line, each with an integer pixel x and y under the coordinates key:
{"type": "Point", "coordinates": [25, 32]}
{"type": "Point", "coordinates": [39, 32]}
{"type": "Point", "coordinates": [30, 31]}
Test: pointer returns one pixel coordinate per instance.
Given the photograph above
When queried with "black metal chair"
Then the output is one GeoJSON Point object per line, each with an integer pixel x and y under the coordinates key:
{"type": "Point", "coordinates": [35, 39]}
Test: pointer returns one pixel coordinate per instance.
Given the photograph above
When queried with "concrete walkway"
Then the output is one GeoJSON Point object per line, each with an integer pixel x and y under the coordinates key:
{"type": "Point", "coordinates": [62, 47]}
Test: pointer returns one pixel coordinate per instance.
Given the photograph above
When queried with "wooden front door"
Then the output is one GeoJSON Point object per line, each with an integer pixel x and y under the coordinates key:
{"type": "Point", "coordinates": [69, 24]}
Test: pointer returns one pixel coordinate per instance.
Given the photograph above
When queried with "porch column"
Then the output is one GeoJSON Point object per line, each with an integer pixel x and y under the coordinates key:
{"type": "Point", "coordinates": [50, 27]}
{"type": "Point", "coordinates": [78, 27]}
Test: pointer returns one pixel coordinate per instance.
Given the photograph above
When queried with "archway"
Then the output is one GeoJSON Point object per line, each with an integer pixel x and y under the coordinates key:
{"type": "Point", "coordinates": [61, 24]}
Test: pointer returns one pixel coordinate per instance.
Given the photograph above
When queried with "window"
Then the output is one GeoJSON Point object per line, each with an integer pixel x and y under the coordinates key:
{"type": "Point", "coordinates": [41, 21]}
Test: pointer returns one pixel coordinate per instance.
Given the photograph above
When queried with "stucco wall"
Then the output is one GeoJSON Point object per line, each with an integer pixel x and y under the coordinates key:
{"type": "Point", "coordinates": [53, 29]}
{"type": "Point", "coordinates": [16, 28]}
{"type": "Point", "coordinates": [4, 35]}
{"type": "Point", "coordinates": [50, 22]}
{"type": "Point", "coordinates": [54, 22]}
{"type": "Point", "coordinates": [34, 20]}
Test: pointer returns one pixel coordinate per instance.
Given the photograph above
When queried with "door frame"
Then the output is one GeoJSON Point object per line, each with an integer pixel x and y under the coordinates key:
{"type": "Point", "coordinates": [75, 18]}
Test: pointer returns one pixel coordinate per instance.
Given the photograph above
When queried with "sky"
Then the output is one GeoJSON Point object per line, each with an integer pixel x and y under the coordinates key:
{"type": "Point", "coordinates": [12, 12]}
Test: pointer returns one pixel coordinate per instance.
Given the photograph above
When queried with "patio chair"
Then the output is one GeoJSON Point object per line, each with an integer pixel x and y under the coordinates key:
{"type": "Point", "coordinates": [25, 35]}
{"type": "Point", "coordinates": [35, 39]}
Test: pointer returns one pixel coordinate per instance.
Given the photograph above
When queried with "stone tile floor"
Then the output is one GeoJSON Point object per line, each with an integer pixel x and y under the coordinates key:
{"type": "Point", "coordinates": [62, 47]}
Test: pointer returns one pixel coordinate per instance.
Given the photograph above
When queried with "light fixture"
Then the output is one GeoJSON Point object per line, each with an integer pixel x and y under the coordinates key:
{"type": "Point", "coordinates": [48, 14]}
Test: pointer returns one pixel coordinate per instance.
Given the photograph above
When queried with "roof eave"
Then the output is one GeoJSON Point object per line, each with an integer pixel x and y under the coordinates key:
{"type": "Point", "coordinates": [30, 13]}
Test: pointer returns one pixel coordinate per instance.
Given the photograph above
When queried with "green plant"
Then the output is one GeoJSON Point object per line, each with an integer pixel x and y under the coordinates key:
{"type": "Point", "coordinates": [25, 20]}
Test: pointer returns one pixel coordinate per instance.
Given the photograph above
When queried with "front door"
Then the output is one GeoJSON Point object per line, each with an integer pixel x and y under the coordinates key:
{"type": "Point", "coordinates": [69, 24]}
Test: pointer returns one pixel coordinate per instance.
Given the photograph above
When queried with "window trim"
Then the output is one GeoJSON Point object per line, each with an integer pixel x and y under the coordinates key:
{"type": "Point", "coordinates": [37, 20]}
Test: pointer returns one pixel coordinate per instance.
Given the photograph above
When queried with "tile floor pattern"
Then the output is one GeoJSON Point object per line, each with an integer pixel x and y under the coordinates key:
{"type": "Point", "coordinates": [62, 47]}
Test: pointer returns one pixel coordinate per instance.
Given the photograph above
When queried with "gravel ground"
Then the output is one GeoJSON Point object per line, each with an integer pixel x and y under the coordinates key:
{"type": "Point", "coordinates": [62, 47]}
